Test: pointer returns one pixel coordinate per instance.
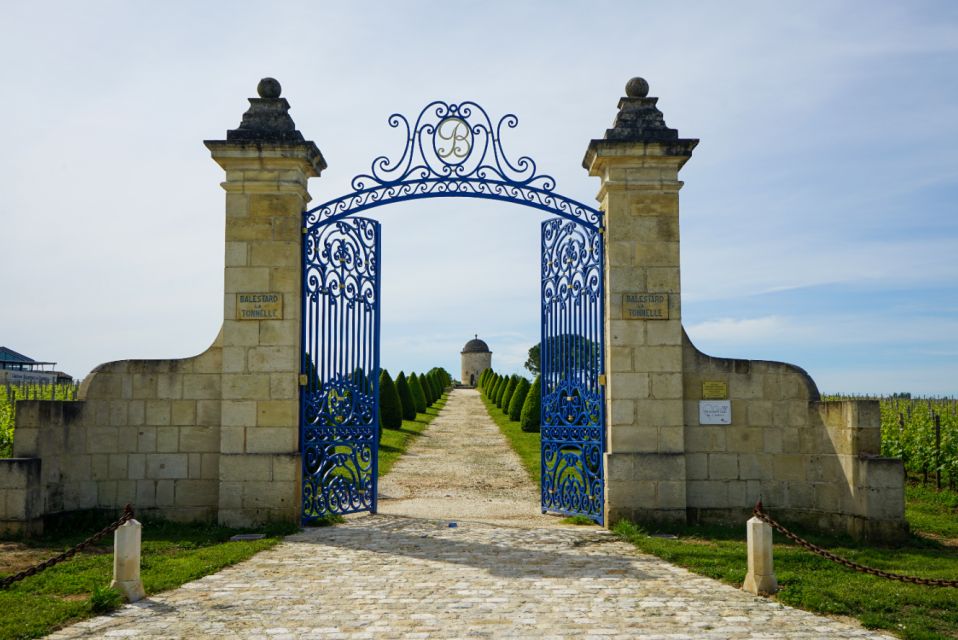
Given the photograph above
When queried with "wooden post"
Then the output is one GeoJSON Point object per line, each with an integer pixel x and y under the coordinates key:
{"type": "Point", "coordinates": [126, 561]}
{"type": "Point", "coordinates": [760, 578]}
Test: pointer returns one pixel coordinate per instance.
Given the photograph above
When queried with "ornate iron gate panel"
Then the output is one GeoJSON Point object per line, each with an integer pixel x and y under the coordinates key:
{"type": "Point", "coordinates": [339, 413]}
{"type": "Point", "coordinates": [573, 401]}
{"type": "Point", "coordinates": [450, 150]}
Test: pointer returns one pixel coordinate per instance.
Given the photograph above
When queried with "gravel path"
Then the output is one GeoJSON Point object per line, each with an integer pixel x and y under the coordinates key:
{"type": "Point", "coordinates": [462, 468]}
{"type": "Point", "coordinates": [505, 571]}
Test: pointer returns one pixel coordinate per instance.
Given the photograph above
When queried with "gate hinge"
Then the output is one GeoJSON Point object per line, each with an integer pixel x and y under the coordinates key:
{"type": "Point", "coordinates": [305, 231]}
{"type": "Point", "coordinates": [303, 380]}
{"type": "Point", "coordinates": [601, 379]}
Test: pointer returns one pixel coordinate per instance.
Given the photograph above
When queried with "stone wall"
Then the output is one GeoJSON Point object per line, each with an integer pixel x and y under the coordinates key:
{"type": "Point", "coordinates": [21, 502]}
{"type": "Point", "coordinates": [145, 432]}
{"type": "Point", "coordinates": [810, 461]}
{"type": "Point", "coordinates": [214, 437]}
{"type": "Point", "coordinates": [217, 436]}
{"type": "Point", "coordinates": [813, 462]}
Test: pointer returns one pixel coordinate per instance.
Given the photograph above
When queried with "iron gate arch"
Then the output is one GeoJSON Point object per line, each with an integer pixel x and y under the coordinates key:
{"type": "Point", "coordinates": [451, 150]}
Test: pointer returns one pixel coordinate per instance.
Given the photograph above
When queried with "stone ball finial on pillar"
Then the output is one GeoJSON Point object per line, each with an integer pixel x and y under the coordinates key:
{"type": "Point", "coordinates": [269, 88]}
{"type": "Point", "coordinates": [637, 88]}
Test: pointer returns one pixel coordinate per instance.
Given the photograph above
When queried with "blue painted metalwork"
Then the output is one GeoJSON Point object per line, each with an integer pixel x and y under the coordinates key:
{"type": "Point", "coordinates": [573, 398]}
{"type": "Point", "coordinates": [454, 150]}
{"type": "Point", "coordinates": [451, 150]}
{"type": "Point", "coordinates": [339, 428]}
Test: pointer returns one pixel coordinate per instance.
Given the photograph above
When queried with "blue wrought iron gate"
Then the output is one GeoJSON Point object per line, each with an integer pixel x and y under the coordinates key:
{"type": "Point", "coordinates": [452, 150]}
{"type": "Point", "coordinates": [573, 401]}
{"type": "Point", "coordinates": [339, 427]}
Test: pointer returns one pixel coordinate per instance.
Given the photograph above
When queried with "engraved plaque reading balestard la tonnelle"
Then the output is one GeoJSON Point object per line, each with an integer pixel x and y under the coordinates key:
{"type": "Point", "coordinates": [259, 306]}
{"type": "Point", "coordinates": [645, 306]}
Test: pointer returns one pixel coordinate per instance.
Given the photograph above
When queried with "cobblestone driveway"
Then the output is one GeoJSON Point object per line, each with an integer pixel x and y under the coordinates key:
{"type": "Point", "coordinates": [503, 573]}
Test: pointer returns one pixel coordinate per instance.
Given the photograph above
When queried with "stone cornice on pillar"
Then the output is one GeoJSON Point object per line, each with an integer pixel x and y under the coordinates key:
{"type": "Point", "coordinates": [639, 151]}
{"type": "Point", "coordinates": [267, 136]}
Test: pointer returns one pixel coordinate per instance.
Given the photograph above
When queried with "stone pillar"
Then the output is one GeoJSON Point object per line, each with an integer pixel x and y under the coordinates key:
{"type": "Point", "coordinates": [267, 163]}
{"type": "Point", "coordinates": [638, 161]}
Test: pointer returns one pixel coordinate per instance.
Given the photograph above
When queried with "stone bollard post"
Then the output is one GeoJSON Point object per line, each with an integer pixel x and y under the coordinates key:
{"type": "Point", "coordinates": [126, 561]}
{"type": "Point", "coordinates": [760, 578]}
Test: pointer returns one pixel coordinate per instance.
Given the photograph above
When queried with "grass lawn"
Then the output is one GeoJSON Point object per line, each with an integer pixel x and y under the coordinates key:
{"type": "Point", "coordinates": [525, 444]}
{"type": "Point", "coordinates": [173, 554]}
{"type": "Point", "coordinates": [815, 584]}
{"type": "Point", "coordinates": [395, 441]}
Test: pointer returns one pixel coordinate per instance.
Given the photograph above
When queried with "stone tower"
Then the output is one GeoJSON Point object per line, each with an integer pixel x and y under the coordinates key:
{"type": "Point", "coordinates": [476, 358]}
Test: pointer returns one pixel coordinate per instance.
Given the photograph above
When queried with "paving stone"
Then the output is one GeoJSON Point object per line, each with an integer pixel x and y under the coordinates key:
{"type": "Point", "coordinates": [501, 573]}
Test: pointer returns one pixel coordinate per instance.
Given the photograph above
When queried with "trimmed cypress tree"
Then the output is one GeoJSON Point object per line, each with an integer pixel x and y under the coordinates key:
{"type": "Point", "coordinates": [529, 419]}
{"type": "Point", "coordinates": [507, 394]}
{"type": "Point", "coordinates": [493, 384]}
{"type": "Point", "coordinates": [489, 384]}
{"type": "Point", "coordinates": [418, 395]}
{"type": "Point", "coordinates": [427, 389]}
{"type": "Point", "coordinates": [501, 391]}
{"type": "Point", "coordinates": [390, 406]}
{"type": "Point", "coordinates": [405, 397]}
{"type": "Point", "coordinates": [500, 387]}
{"type": "Point", "coordinates": [483, 378]}
{"type": "Point", "coordinates": [518, 399]}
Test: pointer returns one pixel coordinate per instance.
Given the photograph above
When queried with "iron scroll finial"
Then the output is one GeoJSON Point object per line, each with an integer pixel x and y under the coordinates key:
{"type": "Point", "coordinates": [450, 140]}
{"type": "Point", "coordinates": [453, 149]}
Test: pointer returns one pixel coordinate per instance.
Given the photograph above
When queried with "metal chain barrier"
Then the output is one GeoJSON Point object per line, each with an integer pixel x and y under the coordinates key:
{"type": "Point", "coordinates": [759, 513]}
{"type": "Point", "coordinates": [69, 553]}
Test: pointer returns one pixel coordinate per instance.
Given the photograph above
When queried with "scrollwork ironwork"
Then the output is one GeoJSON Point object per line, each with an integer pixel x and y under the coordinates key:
{"type": "Point", "coordinates": [453, 150]}
{"type": "Point", "coordinates": [339, 401]}
{"type": "Point", "coordinates": [572, 417]}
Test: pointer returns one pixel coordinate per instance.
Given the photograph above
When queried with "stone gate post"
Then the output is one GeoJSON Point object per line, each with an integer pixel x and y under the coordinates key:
{"type": "Point", "coordinates": [267, 163]}
{"type": "Point", "coordinates": [638, 161]}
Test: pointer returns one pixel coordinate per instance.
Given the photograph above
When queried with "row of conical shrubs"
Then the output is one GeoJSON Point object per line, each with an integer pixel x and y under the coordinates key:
{"type": "Point", "coordinates": [403, 398]}
{"type": "Point", "coordinates": [517, 397]}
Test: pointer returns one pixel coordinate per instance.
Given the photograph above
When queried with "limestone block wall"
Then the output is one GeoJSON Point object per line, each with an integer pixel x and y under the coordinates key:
{"type": "Point", "coordinates": [813, 462]}
{"type": "Point", "coordinates": [145, 432]}
{"type": "Point", "coordinates": [21, 502]}
{"type": "Point", "coordinates": [473, 364]}
{"type": "Point", "coordinates": [214, 437]}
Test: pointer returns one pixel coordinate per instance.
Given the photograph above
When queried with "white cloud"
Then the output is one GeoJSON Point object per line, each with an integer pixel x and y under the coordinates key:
{"type": "Point", "coordinates": [738, 330]}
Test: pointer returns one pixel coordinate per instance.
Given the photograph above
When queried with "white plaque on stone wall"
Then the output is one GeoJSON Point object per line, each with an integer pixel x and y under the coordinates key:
{"type": "Point", "coordinates": [715, 412]}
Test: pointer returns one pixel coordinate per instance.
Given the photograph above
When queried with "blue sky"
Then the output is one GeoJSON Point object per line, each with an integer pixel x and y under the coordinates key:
{"type": "Point", "coordinates": [819, 218]}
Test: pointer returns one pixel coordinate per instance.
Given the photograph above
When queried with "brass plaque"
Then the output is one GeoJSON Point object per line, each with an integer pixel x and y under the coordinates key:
{"type": "Point", "coordinates": [645, 306]}
{"type": "Point", "coordinates": [714, 390]}
{"type": "Point", "coordinates": [259, 306]}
